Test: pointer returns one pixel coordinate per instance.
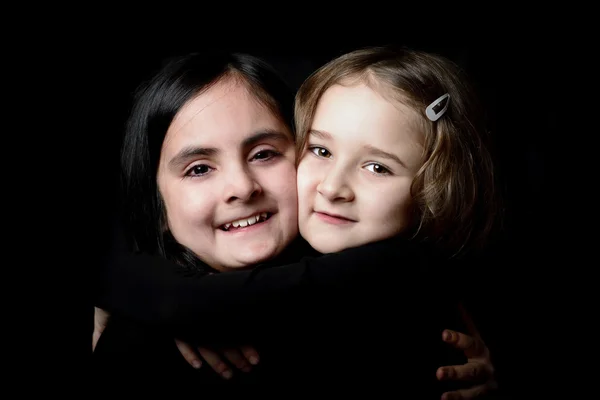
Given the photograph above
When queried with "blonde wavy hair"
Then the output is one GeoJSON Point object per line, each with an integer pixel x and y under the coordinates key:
{"type": "Point", "coordinates": [454, 191]}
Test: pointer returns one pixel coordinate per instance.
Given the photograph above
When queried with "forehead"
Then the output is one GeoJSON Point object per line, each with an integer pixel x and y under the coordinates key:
{"type": "Point", "coordinates": [362, 113]}
{"type": "Point", "coordinates": [227, 112]}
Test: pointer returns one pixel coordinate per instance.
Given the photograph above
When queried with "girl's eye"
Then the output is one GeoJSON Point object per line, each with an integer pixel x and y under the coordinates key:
{"type": "Point", "coordinates": [266, 155]}
{"type": "Point", "coordinates": [320, 151]}
{"type": "Point", "coordinates": [377, 169]}
{"type": "Point", "coordinates": [198, 170]}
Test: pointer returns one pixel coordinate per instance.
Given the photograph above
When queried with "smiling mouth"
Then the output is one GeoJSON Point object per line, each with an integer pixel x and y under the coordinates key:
{"type": "Point", "coordinates": [334, 216]}
{"type": "Point", "coordinates": [246, 222]}
{"type": "Point", "coordinates": [334, 219]}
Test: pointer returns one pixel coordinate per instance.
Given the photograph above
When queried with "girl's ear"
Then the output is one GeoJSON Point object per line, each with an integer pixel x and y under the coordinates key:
{"type": "Point", "coordinates": [163, 220]}
{"type": "Point", "coordinates": [164, 224]}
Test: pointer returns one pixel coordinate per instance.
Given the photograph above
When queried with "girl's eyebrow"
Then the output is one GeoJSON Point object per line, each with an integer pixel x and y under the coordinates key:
{"type": "Point", "coordinates": [265, 134]}
{"type": "Point", "coordinates": [384, 154]}
{"type": "Point", "coordinates": [320, 134]}
{"type": "Point", "coordinates": [189, 152]}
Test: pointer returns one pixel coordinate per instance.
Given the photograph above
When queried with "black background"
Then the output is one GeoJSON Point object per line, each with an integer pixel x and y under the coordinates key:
{"type": "Point", "coordinates": [87, 87]}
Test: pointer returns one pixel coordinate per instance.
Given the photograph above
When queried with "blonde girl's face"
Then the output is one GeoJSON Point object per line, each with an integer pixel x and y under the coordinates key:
{"type": "Point", "coordinates": [355, 173]}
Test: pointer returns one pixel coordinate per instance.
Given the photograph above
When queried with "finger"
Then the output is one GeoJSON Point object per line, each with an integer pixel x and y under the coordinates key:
{"type": "Point", "coordinates": [472, 347]}
{"type": "Point", "coordinates": [467, 394]}
{"type": "Point", "coordinates": [215, 362]}
{"type": "Point", "coordinates": [237, 359]}
{"type": "Point", "coordinates": [100, 319]}
{"type": "Point", "coordinates": [101, 315]}
{"type": "Point", "coordinates": [251, 354]}
{"type": "Point", "coordinates": [189, 354]}
{"type": "Point", "coordinates": [472, 371]}
{"type": "Point", "coordinates": [95, 338]}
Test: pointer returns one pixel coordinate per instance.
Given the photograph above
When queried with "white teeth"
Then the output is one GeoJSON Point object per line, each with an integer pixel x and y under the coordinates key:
{"type": "Point", "coordinates": [246, 222]}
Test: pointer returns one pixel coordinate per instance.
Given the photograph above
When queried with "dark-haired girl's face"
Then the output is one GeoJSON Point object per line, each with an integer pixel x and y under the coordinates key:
{"type": "Point", "coordinates": [228, 179]}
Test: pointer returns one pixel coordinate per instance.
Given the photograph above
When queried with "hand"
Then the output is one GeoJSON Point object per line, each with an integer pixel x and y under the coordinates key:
{"type": "Point", "coordinates": [100, 320]}
{"type": "Point", "coordinates": [478, 369]}
{"type": "Point", "coordinates": [241, 358]}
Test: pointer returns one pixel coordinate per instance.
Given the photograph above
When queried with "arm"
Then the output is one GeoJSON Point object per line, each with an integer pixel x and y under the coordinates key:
{"type": "Point", "coordinates": [149, 288]}
{"type": "Point", "coordinates": [132, 355]}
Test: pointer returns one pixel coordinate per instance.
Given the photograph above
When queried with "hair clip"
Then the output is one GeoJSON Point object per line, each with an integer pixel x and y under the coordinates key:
{"type": "Point", "coordinates": [439, 106]}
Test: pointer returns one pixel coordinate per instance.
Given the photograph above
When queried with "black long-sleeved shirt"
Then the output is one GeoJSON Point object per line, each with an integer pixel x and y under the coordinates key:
{"type": "Point", "coordinates": [373, 313]}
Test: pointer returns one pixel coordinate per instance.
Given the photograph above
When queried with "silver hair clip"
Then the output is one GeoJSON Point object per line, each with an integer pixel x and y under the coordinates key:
{"type": "Point", "coordinates": [439, 106]}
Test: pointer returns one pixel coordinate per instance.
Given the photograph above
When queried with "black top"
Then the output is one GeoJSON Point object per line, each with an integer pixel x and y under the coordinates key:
{"type": "Point", "coordinates": [368, 314]}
